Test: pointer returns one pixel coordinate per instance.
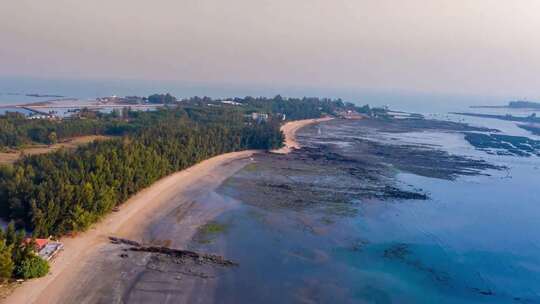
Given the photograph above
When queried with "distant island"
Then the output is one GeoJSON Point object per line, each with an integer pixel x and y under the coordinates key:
{"type": "Point", "coordinates": [517, 104]}
{"type": "Point", "coordinates": [530, 123]}
{"type": "Point", "coordinates": [33, 95]}
{"type": "Point", "coordinates": [524, 104]}
{"type": "Point", "coordinates": [534, 129]}
{"type": "Point", "coordinates": [527, 119]}
{"type": "Point", "coordinates": [44, 95]}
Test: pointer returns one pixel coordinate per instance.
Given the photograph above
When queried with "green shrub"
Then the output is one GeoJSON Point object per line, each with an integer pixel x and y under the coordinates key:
{"type": "Point", "coordinates": [32, 267]}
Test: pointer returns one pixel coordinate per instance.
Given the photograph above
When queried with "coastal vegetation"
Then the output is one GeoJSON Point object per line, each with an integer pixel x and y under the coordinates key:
{"type": "Point", "coordinates": [16, 130]}
{"type": "Point", "coordinates": [162, 98]}
{"type": "Point", "coordinates": [18, 258]}
{"type": "Point", "coordinates": [67, 190]}
{"type": "Point", "coordinates": [298, 108]}
{"type": "Point", "coordinates": [64, 191]}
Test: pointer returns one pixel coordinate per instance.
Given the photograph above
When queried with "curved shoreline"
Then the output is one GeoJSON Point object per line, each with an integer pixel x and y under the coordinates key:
{"type": "Point", "coordinates": [289, 131]}
{"type": "Point", "coordinates": [169, 193]}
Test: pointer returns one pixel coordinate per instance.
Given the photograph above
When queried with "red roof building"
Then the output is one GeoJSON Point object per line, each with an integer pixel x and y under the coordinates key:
{"type": "Point", "coordinates": [40, 243]}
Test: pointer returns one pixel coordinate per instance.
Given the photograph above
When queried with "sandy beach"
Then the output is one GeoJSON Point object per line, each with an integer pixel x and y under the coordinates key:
{"type": "Point", "coordinates": [289, 130]}
{"type": "Point", "coordinates": [167, 213]}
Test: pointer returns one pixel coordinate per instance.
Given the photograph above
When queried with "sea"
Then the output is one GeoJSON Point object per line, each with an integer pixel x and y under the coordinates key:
{"type": "Point", "coordinates": [475, 240]}
{"type": "Point", "coordinates": [13, 90]}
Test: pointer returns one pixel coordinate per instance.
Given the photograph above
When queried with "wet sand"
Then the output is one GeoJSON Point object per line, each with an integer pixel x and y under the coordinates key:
{"type": "Point", "coordinates": [169, 213]}
{"type": "Point", "coordinates": [304, 232]}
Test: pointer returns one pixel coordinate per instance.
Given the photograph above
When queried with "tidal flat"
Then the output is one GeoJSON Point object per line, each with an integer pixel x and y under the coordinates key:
{"type": "Point", "coordinates": [368, 211]}
{"type": "Point", "coordinates": [381, 211]}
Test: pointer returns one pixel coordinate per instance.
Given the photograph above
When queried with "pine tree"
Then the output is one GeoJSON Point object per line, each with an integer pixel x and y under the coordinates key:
{"type": "Point", "coordinates": [6, 262]}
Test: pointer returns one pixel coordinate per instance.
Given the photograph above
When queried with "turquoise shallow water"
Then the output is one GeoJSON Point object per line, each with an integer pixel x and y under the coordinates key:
{"type": "Point", "coordinates": [475, 241]}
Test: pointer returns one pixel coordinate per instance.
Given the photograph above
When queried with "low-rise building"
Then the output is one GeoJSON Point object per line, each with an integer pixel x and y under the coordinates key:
{"type": "Point", "coordinates": [259, 117]}
{"type": "Point", "coordinates": [230, 102]}
{"type": "Point", "coordinates": [51, 250]}
{"type": "Point", "coordinates": [45, 248]}
{"type": "Point", "coordinates": [42, 116]}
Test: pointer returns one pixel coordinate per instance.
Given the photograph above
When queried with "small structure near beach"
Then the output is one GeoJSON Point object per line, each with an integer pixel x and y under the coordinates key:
{"type": "Point", "coordinates": [45, 248]}
{"type": "Point", "coordinates": [259, 117]}
{"type": "Point", "coordinates": [51, 250]}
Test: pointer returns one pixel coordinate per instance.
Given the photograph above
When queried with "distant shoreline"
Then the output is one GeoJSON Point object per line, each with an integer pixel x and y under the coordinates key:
{"type": "Point", "coordinates": [526, 119]}
{"type": "Point", "coordinates": [49, 105]}
{"type": "Point", "coordinates": [517, 104]}
{"type": "Point", "coordinates": [489, 107]}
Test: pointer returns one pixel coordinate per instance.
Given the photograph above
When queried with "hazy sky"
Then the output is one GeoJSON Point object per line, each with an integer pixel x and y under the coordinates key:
{"type": "Point", "coordinates": [453, 46]}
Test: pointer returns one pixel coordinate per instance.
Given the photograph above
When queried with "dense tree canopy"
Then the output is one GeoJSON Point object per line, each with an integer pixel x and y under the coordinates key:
{"type": "Point", "coordinates": [68, 190]}
{"type": "Point", "coordinates": [161, 98]}
{"type": "Point", "coordinates": [16, 130]}
{"type": "Point", "coordinates": [293, 108]}
{"type": "Point", "coordinates": [64, 191]}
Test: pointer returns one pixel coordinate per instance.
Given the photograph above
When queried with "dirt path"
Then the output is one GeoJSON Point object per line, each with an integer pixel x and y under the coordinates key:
{"type": "Point", "coordinates": [72, 143]}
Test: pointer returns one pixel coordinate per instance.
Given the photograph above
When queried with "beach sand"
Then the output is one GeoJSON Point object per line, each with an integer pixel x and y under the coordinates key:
{"type": "Point", "coordinates": [289, 130]}
{"type": "Point", "coordinates": [168, 213]}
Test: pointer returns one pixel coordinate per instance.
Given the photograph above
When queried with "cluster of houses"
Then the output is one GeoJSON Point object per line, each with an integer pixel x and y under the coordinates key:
{"type": "Point", "coordinates": [259, 117]}
{"type": "Point", "coordinates": [135, 100]}
{"type": "Point", "coordinates": [230, 102]}
{"type": "Point", "coordinates": [349, 114]}
{"type": "Point", "coordinates": [42, 116]}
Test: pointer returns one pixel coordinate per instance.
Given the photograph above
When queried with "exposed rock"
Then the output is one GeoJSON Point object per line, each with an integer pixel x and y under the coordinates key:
{"type": "Point", "coordinates": [175, 253]}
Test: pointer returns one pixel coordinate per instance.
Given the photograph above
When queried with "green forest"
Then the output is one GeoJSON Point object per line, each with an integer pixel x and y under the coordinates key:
{"type": "Point", "coordinates": [293, 108]}
{"type": "Point", "coordinates": [65, 191]}
{"type": "Point", "coordinates": [17, 131]}
{"type": "Point", "coordinates": [68, 190]}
